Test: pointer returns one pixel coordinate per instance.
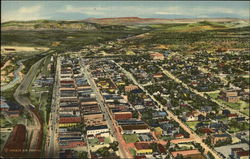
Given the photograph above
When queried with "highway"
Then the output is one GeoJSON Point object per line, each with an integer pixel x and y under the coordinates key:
{"type": "Point", "coordinates": [104, 109]}
{"type": "Point", "coordinates": [173, 116]}
{"type": "Point", "coordinates": [25, 102]}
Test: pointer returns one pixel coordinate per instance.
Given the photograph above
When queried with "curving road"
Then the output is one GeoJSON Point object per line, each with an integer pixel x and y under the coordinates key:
{"type": "Point", "coordinates": [23, 100]}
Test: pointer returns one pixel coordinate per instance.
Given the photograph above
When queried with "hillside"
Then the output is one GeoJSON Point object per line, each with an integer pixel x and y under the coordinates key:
{"type": "Point", "coordinates": [47, 25]}
{"type": "Point", "coordinates": [137, 20]}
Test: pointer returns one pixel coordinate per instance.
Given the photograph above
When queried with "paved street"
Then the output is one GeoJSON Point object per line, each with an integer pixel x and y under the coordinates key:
{"type": "Point", "coordinates": [52, 146]}
{"type": "Point", "coordinates": [104, 109]}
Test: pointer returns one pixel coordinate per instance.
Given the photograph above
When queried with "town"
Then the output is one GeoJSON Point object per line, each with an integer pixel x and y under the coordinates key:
{"type": "Point", "coordinates": [170, 86]}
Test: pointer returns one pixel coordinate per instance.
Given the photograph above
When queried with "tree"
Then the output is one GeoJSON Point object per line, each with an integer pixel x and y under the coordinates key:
{"type": "Point", "coordinates": [179, 156]}
{"type": "Point", "coordinates": [168, 144]}
{"type": "Point", "coordinates": [114, 145]}
{"type": "Point", "coordinates": [83, 155]}
{"type": "Point", "coordinates": [104, 151]}
{"type": "Point", "coordinates": [135, 114]}
{"type": "Point", "coordinates": [154, 147]}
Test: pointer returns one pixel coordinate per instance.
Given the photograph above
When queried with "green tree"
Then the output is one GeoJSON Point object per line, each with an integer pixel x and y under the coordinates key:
{"type": "Point", "coordinates": [104, 151]}
{"type": "Point", "coordinates": [114, 145]}
{"type": "Point", "coordinates": [83, 155]}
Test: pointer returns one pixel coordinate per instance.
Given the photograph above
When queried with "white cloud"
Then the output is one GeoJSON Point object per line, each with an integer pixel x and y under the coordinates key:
{"type": "Point", "coordinates": [142, 11]}
{"type": "Point", "coordinates": [24, 14]}
{"type": "Point", "coordinates": [32, 9]}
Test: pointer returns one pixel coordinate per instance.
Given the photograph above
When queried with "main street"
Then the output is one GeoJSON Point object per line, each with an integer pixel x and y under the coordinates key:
{"type": "Point", "coordinates": [171, 115]}
{"type": "Point", "coordinates": [52, 146]}
{"type": "Point", "coordinates": [104, 109]}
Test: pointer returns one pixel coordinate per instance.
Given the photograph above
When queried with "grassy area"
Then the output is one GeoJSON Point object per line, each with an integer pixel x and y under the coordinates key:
{"type": "Point", "coordinates": [106, 140]}
{"type": "Point", "coordinates": [93, 141]}
{"type": "Point", "coordinates": [8, 94]}
{"type": "Point", "coordinates": [132, 151]}
{"type": "Point", "coordinates": [241, 105]}
{"type": "Point", "coordinates": [167, 137]}
{"type": "Point", "coordinates": [3, 138]}
{"type": "Point", "coordinates": [11, 122]}
{"type": "Point", "coordinates": [192, 124]}
{"type": "Point", "coordinates": [130, 138]}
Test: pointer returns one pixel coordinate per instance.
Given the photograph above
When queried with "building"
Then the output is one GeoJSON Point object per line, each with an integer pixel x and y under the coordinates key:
{"type": "Point", "coordinates": [69, 121]}
{"type": "Point", "coordinates": [158, 75]}
{"type": "Point", "coordinates": [157, 56]}
{"type": "Point", "coordinates": [94, 119]}
{"type": "Point", "coordinates": [121, 115]}
{"type": "Point", "coordinates": [219, 137]}
{"type": "Point", "coordinates": [133, 129]}
{"type": "Point", "coordinates": [186, 153]}
{"type": "Point", "coordinates": [15, 144]}
{"type": "Point", "coordinates": [229, 96]}
{"type": "Point", "coordinates": [190, 117]}
{"type": "Point", "coordinates": [143, 148]}
{"type": "Point", "coordinates": [94, 130]}
{"type": "Point", "coordinates": [158, 131]}
{"type": "Point", "coordinates": [130, 88]}
{"type": "Point", "coordinates": [4, 106]}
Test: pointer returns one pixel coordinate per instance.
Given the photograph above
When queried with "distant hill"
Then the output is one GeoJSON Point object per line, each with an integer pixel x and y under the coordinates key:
{"type": "Point", "coordinates": [47, 25]}
{"type": "Point", "coordinates": [116, 23]}
{"type": "Point", "coordinates": [137, 20]}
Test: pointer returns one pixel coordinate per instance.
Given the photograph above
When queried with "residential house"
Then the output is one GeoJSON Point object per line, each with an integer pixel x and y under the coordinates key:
{"type": "Point", "coordinates": [157, 56]}
{"type": "Point", "coordinates": [219, 137]}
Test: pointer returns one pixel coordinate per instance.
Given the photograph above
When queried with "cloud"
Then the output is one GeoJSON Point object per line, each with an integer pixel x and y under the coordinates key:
{"type": "Point", "coordinates": [24, 14]}
{"type": "Point", "coordinates": [113, 11]}
{"type": "Point", "coordinates": [84, 10]}
{"type": "Point", "coordinates": [28, 10]}
{"type": "Point", "coordinates": [202, 11]}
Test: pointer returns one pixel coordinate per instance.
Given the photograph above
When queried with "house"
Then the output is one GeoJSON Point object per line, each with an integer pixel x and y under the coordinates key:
{"type": "Point", "coordinates": [158, 75]}
{"type": "Point", "coordinates": [4, 106]}
{"type": "Point", "coordinates": [206, 109]}
{"type": "Point", "coordinates": [190, 117]}
{"type": "Point", "coordinates": [239, 153]}
{"type": "Point", "coordinates": [158, 131]}
{"type": "Point", "coordinates": [157, 56]}
{"type": "Point", "coordinates": [179, 136]}
{"type": "Point", "coordinates": [202, 118]}
{"type": "Point", "coordinates": [219, 137]}
{"type": "Point", "coordinates": [159, 115]}
{"type": "Point", "coordinates": [130, 87]}
{"type": "Point", "coordinates": [142, 148]}
{"type": "Point", "coordinates": [232, 116]}
{"type": "Point", "coordinates": [206, 131]}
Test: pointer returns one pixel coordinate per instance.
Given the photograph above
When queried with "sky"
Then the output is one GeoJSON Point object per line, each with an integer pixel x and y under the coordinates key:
{"type": "Point", "coordinates": [78, 10]}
